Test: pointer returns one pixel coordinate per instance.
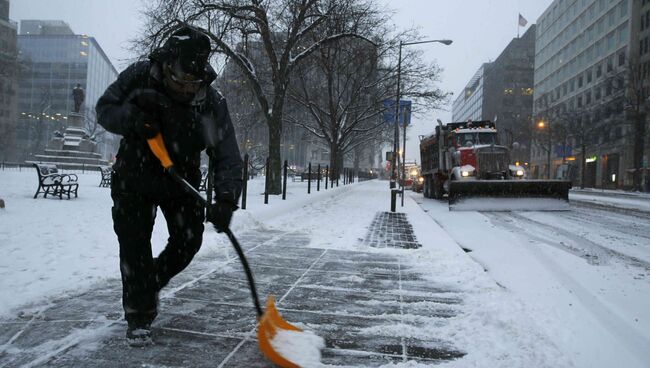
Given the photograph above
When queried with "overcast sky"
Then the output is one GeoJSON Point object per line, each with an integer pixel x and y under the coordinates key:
{"type": "Point", "coordinates": [480, 30]}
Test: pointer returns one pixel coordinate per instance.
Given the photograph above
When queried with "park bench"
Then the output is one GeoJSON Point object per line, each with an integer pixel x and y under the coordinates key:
{"type": "Point", "coordinates": [51, 181]}
{"type": "Point", "coordinates": [106, 172]}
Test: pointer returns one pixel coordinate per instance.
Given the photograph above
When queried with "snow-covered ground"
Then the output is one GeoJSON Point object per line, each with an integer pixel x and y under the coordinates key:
{"type": "Point", "coordinates": [50, 246]}
{"type": "Point", "coordinates": [616, 199]}
{"type": "Point", "coordinates": [584, 275]}
{"type": "Point", "coordinates": [566, 289]}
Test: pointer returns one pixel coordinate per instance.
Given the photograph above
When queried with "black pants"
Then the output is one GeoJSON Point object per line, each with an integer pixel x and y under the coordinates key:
{"type": "Point", "coordinates": [142, 275]}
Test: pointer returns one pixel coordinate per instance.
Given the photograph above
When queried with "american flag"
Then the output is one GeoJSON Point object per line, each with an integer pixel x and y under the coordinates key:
{"type": "Point", "coordinates": [522, 21]}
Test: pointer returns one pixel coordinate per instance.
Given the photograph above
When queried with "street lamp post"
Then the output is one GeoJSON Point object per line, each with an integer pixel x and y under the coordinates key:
{"type": "Point", "coordinates": [547, 125]}
{"type": "Point", "coordinates": [394, 171]}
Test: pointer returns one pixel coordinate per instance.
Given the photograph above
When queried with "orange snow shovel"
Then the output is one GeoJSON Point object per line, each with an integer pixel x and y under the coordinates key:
{"type": "Point", "coordinates": [270, 322]}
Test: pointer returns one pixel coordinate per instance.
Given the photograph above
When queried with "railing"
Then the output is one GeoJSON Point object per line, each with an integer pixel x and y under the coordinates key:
{"type": "Point", "coordinates": [347, 175]}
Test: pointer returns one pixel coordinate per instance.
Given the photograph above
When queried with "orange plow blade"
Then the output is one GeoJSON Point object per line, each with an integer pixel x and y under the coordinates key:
{"type": "Point", "coordinates": [269, 324]}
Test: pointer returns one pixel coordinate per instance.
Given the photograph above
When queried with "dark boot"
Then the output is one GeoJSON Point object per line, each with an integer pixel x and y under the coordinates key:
{"type": "Point", "coordinates": [139, 335]}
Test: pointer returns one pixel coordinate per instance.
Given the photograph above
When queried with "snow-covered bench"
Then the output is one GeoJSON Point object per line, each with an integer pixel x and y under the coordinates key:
{"type": "Point", "coordinates": [106, 172]}
{"type": "Point", "coordinates": [50, 181]}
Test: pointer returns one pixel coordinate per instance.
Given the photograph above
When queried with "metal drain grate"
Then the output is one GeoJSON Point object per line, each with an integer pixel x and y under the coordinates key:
{"type": "Point", "coordinates": [389, 229]}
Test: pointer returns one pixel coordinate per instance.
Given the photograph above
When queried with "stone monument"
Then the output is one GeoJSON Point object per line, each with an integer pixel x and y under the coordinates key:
{"type": "Point", "coordinates": [79, 96]}
{"type": "Point", "coordinates": [73, 148]}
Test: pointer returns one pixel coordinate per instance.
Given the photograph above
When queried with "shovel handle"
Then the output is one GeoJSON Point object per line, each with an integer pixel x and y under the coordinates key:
{"type": "Point", "coordinates": [157, 146]}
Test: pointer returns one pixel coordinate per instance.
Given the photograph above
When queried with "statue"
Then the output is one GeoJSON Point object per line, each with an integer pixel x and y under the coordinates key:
{"type": "Point", "coordinates": [79, 96]}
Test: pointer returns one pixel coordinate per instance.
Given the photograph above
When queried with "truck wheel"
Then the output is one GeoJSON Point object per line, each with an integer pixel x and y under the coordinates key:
{"type": "Point", "coordinates": [438, 192]}
{"type": "Point", "coordinates": [425, 187]}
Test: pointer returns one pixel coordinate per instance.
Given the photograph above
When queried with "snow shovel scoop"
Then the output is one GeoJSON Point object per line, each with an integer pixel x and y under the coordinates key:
{"type": "Point", "coordinates": [278, 339]}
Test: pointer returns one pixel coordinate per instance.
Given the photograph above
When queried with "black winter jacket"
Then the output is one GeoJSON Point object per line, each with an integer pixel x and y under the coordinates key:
{"type": "Point", "coordinates": [186, 129]}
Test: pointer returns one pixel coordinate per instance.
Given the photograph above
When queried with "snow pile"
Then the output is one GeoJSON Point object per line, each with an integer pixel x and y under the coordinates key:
{"type": "Point", "coordinates": [510, 204]}
{"type": "Point", "coordinates": [299, 347]}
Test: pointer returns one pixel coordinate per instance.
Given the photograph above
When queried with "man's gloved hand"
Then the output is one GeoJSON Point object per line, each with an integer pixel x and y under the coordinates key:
{"type": "Point", "coordinates": [144, 124]}
{"type": "Point", "coordinates": [147, 107]}
{"type": "Point", "coordinates": [220, 214]}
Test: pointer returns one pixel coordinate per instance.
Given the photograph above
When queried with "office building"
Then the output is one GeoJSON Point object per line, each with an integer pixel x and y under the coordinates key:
{"type": "Point", "coordinates": [582, 49]}
{"type": "Point", "coordinates": [8, 84]}
{"type": "Point", "coordinates": [502, 91]}
{"type": "Point", "coordinates": [640, 49]}
{"type": "Point", "coordinates": [469, 103]}
{"type": "Point", "coordinates": [55, 61]}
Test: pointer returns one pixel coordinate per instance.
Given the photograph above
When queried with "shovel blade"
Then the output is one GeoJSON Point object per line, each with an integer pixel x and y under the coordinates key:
{"type": "Point", "coordinates": [269, 324]}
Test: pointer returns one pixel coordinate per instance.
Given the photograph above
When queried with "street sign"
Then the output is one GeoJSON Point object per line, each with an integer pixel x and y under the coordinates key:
{"type": "Point", "coordinates": [404, 109]}
{"type": "Point", "coordinates": [563, 151]}
{"type": "Point", "coordinates": [389, 156]}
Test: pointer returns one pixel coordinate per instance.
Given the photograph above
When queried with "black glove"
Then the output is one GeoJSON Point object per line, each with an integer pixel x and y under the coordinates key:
{"type": "Point", "coordinates": [143, 124]}
{"type": "Point", "coordinates": [148, 106]}
{"type": "Point", "coordinates": [220, 214]}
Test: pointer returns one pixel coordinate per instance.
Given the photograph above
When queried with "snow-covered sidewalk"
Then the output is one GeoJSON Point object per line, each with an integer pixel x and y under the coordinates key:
{"type": "Point", "coordinates": [375, 305]}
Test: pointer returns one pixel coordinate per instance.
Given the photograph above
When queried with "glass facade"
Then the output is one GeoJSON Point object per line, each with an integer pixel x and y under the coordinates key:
{"type": "Point", "coordinates": [581, 51]}
{"type": "Point", "coordinates": [469, 104]}
{"type": "Point", "coordinates": [574, 40]}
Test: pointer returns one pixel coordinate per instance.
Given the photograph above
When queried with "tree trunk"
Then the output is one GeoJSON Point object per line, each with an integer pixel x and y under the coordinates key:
{"type": "Point", "coordinates": [357, 157]}
{"type": "Point", "coordinates": [639, 143]}
{"type": "Point", "coordinates": [275, 154]}
{"type": "Point", "coordinates": [334, 162]}
{"type": "Point", "coordinates": [583, 166]}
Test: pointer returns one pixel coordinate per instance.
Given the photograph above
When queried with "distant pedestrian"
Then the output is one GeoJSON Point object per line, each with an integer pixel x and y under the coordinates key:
{"type": "Point", "coordinates": [169, 94]}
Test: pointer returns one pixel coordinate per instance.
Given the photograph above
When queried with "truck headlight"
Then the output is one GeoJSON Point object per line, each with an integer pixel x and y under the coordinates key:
{"type": "Point", "coordinates": [421, 179]}
{"type": "Point", "coordinates": [467, 171]}
{"type": "Point", "coordinates": [519, 173]}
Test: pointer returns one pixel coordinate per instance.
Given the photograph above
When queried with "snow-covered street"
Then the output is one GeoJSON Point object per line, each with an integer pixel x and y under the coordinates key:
{"type": "Point", "coordinates": [583, 274]}
{"type": "Point", "coordinates": [520, 289]}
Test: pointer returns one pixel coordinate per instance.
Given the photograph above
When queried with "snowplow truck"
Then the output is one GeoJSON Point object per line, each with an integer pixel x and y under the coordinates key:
{"type": "Point", "coordinates": [465, 161]}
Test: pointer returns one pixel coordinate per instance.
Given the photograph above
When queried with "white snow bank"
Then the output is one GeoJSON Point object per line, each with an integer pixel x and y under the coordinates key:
{"type": "Point", "coordinates": [640, 202]}
{"type": "Point", "coordinates": [299, 347]}
{"type": "Point", "coordinates": [510, 204]}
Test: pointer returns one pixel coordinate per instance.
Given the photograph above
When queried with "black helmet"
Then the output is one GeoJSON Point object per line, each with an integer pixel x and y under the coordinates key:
{"type": "Point", "coordinates": [189, 46]}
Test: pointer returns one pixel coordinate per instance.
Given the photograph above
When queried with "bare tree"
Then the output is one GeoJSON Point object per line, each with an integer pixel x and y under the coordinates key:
{"type": "Point", "coordinates": [280, 27]}
{"type": "Point", "coordinates": [637, 104]}
{"type": "Point", "coordinates": [341, 88]}
{"type": "Point", "coordinates": [631, 101]}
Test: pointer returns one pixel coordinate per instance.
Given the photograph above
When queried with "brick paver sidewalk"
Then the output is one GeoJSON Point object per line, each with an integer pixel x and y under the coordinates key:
{"type": "Point", "coordinates": [206, 318]}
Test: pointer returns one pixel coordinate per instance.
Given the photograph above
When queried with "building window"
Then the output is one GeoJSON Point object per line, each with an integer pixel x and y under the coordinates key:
{"type": "Point", "coordinates": [579, 101]}
{"type": "Point", "coordinates": [587, 98]}
{"type": "Point", "coordinates": [580, 81]}
{"type": "Point", "coordinates": [527, 91]}
{"type": "Point", "coordinates": [642, 22]}
{"type": "Point", "coordinates": [610, 64]}
{"type": "Point", "coordinates": [597, 93]}
{"type": "Point", "coordinates": [621, 58]}
{"type": "Point", "coordinates": [589, 76]}
{"type": "Point", "coordinates": [599, 70]}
